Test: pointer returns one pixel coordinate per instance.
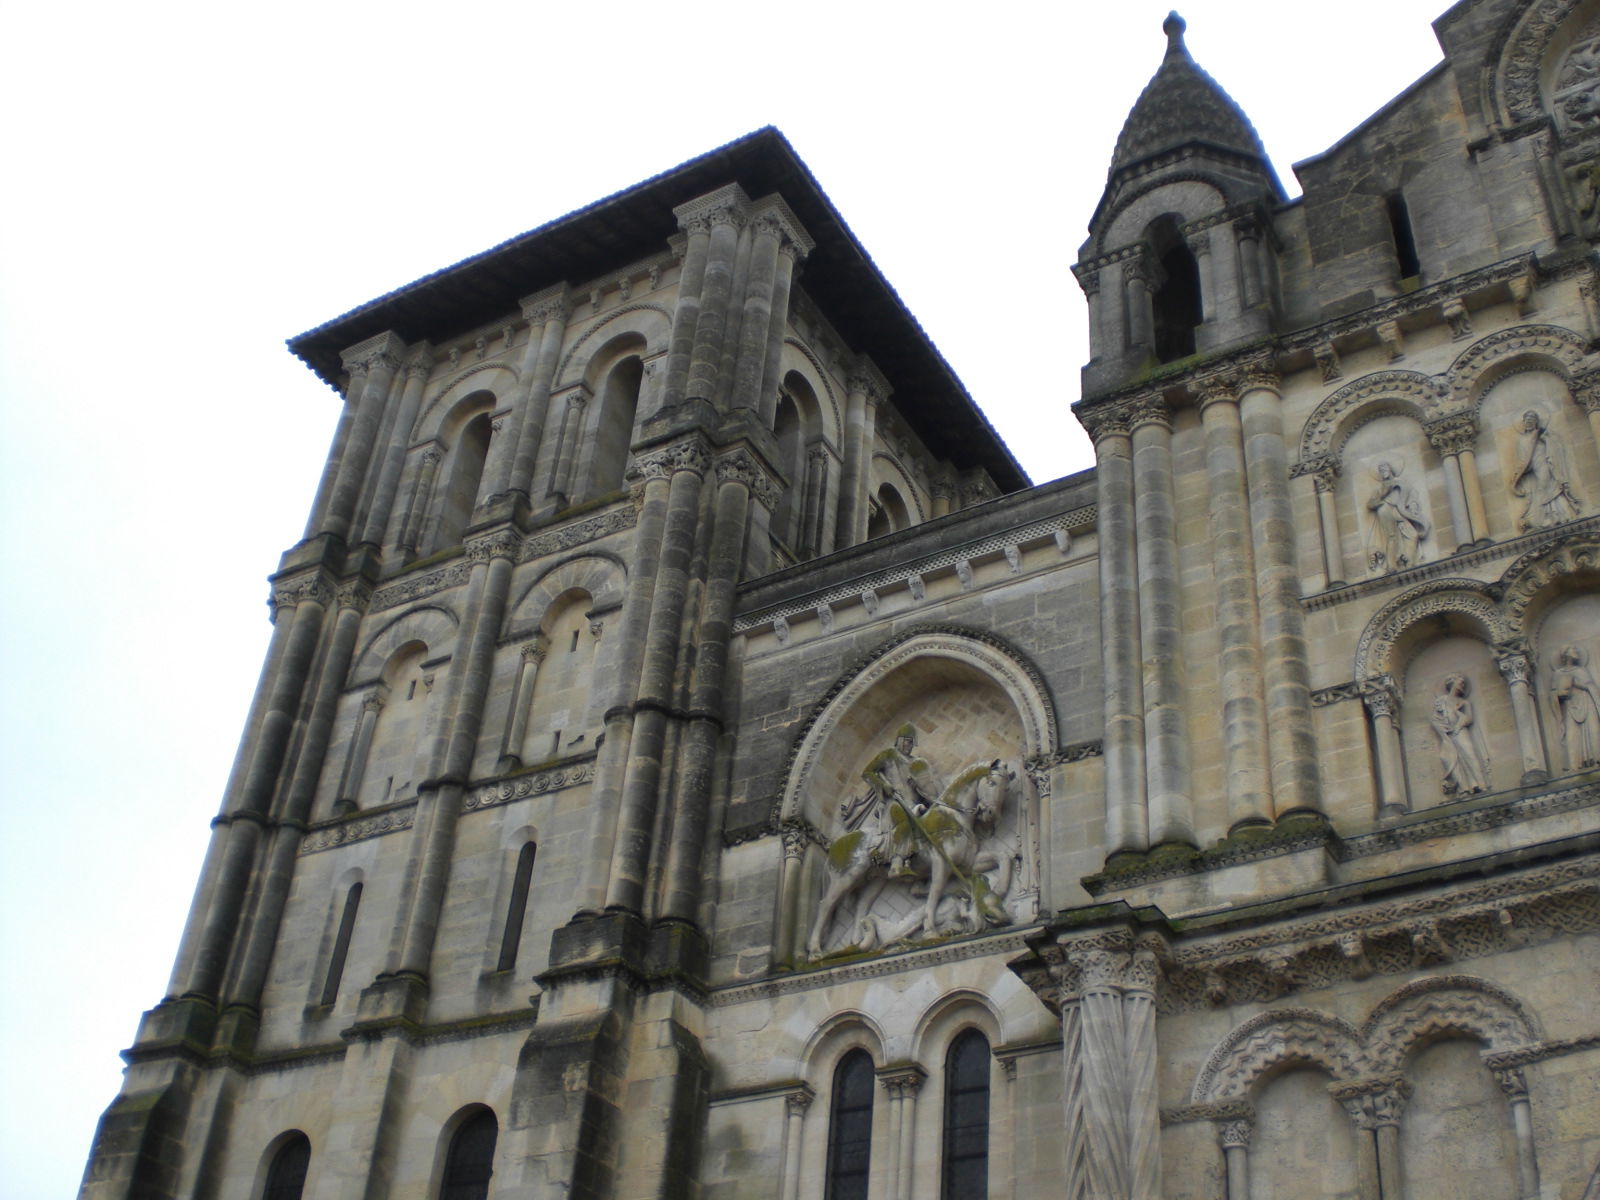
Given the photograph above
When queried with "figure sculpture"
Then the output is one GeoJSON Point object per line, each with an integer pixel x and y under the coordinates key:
{"type": "Point", "coordinates": [1462, 753]}
{"type": "Point", "coordinates": [905, 828]}
{"type": "Point", "coordinates": [1576, 699]}
{"type": "Point", "coordinates": [1398, 525]}
{"type": "Point", "coordinates": [1542, 475]}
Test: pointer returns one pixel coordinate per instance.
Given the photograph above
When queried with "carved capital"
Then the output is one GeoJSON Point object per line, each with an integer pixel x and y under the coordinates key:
{"type": "Point", "coordinates": [664, 462]}
{"type": "Point", "coordinates": [1586, 390]}
{"type": "Point", "coordinates": [1380, 696]}
{"type": "Point", "coordinates": [419, 365]}
{"type": "Point", "coordinates": [551, 304]}
{"type": "Point", "coordinates": [354, 593]}
{"type": "Point", "coordinates": [865, 378]}
{"type": "Point", "coordinates": [1513, 1083]}
{"type": "Point", "coordinates": [534, 651]}
{"type": "Point", "coordinates": [308, 589]}
{"type": "Point", "coordinates": [796, 1103]}
{"type": "Point", "coordinates": [900, 1082]}
{"type": "Point", "coordinates": [741, 467]}
{"type": "Point", "coordinates": [432, 457]}
{"type": "Point", "coordinates": [1235, 1134]}
{"type": "Point", "coordinates": [372, 702]}
{"type": "Point", "coordinates": [1514, 665]}
{"type": "Point", "coordinates": [1260, 376]}
{"type": "Point", "coordinates": [1149, 410]}
{"type": "Point", "coordinates": [1215, 389]}
{"type": "Point", "coordinates": [501, 544]}
{"type": "Point", "coordinates": [795, 839]}
{"type": "Point", "coordinates": [1452, 434]}
{"type": "Point", "coordinates": [1105, 423]}
{"type": "Point", "coordinates": [1372, 1103]}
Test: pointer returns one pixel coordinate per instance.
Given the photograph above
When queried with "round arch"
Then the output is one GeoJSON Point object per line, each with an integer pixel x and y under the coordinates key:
{"type": "Point", "coordinates": [432, 625]}
{"type": "Point", "coordinates": [1273, 1041]}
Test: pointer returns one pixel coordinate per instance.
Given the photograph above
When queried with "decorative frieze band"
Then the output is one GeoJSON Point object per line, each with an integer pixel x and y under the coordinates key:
{"type": "Point", "coordinates": [536, 783]}
{"type": "Point", "coordinates": [359, 828]}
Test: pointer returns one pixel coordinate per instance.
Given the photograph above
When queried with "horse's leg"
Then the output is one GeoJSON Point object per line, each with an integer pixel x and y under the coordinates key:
{"type": "Point", "coordinates": [938, 876]}
{"type": "Point", "coordinates": [841, 887]}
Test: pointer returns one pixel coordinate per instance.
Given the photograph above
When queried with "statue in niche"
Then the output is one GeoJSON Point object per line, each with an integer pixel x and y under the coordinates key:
{"type": "Point", "coordinates": [1542, 475]}
{"type": "Point", "coordinates": [1462, 753]}
{"type": "Point", "coordinates": [1398, 525]}
{"type": "Point", "coordinates": [938, 840]}
{"type": "Point", "coordinates": [1576, 699]}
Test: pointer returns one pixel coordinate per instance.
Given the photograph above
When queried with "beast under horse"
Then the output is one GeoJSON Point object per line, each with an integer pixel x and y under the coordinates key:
{"type": "Point", "coordinates": [941, 843]}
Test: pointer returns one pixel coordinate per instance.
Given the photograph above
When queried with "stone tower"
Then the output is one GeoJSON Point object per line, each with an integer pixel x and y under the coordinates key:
{"type": "Point", "coordinates": [693, 761]}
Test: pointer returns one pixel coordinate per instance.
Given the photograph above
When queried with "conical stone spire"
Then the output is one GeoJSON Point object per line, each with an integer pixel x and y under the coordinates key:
{"type": "Point", "coordinates": [1182, 105]}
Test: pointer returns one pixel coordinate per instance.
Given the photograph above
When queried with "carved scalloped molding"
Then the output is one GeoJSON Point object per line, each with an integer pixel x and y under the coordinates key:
{"type": "Point", "coordinates": [536, 783]}
{"type": "Point", "coordinates": [1409, 392]}
{"type": "Point", "coordinates": [1460, 1004]}
{"type": "Point", "coordinates": [1519, 59]}
{"type": "Point", "coordinates": [1466, 597]}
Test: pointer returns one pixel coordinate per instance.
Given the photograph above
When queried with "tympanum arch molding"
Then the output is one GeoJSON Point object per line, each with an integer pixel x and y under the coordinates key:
{"type": "Point", "coordinates": [1408, 1018]}
{"type": "Point", "coordinates": [1502, 608]}
{"type": "Point", "coordinates": [640, 324]}
{"type": "Point", "coordinates": [818, 374]}
{"type": "Point", "coordinates": [431, 624]}
{"type": "Point", "coordinates": [988, 654]}
{"type": "Point", "coordinates": [1470, 598]}
{"type": "Point", "coordinates": [1516, 92]}
{"type": "Point", "coordinates": [599, 573]}
{"type": "Point", "coordinates": [425, 414]}
{"type": "Point", "coordinates": [1459, 389]}
{"type": "Point", "coordinates": [1164, 179]}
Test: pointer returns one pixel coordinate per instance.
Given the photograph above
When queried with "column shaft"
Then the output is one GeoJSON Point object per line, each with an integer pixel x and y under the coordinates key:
{"type": "Point", "coordinates": [755, 326]}
{"type": "Point", "coordinates": [636, 819]}
{"type": "Point", "coordinates": [686, 314]}
{"type": "Point", "coordinates": [358, 455]}
{"type": "Point", "coordinates": [1476, 513]}
{"type": "Point", "coordinates": [712, 323]}
{"type": "Point", "coordinates": [1517, 670]}
{"type": "Point", "coordinates": [1455, 491]}
{"type": "Point", "coordinates": [1127, 818]}
{"type": "Point", "coordinates": [411, 532]}
{"type": "Point", "coordinates": [521, 697]}
{"type": "Point", "coordinates": [336, 452]}
{"type": "Point", "coordinates": [1166, 732]}
{"type": "Point", "coordinates": [1386, 748]}
{"type": "Point", "coordinates": [534, 408]}
{"type": "Point", "coordinates": [1244, 724]}
{"type": "Point", "coordinates": [453, 750]}
{"type": "Point", "coordinates": [1291, 742]}
{"type": "Point", "coordinates": [1328, 518]}
{"type": "Point", "coordinates": [394, 454]}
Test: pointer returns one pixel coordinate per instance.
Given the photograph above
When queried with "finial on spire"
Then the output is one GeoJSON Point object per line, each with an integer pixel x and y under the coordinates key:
{"type": "Point", "coordinates": [1173, 27]}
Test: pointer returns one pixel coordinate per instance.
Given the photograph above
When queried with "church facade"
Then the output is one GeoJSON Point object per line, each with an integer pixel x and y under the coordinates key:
{"type": "Point", "coordinates": [693, 760]}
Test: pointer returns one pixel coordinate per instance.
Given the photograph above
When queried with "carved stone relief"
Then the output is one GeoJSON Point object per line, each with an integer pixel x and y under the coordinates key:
{"type": "Point", "coordinates": [919, 857]}
{"type": "Point", "coordinates": [1541, 476]}
{"type": "Point", "coordinates": [1398, 523]}
{"type": "Point", "coordinates": [1575, 705]}
{"type": "Point", "coordinates": [1463, 753]}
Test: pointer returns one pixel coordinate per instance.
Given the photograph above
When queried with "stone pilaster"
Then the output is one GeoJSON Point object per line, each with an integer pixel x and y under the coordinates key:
{"type": "Point", "coordinates": [419, 365]}
{"type": "Point", "coordinates": [866, 389]}
{"type": "Point", "coordinates": [901, 1083]}
{"type": "Point", "coordinates": [547, 313]}
{"type": "Point", "coordinates": [382, 356]}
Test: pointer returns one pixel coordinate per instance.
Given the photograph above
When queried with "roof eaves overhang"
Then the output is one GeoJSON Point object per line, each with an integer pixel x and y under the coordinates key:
{"type": "Point", "coordinates": [839, 275]}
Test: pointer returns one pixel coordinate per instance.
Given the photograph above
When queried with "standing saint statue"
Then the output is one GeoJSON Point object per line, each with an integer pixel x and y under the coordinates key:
{"type": "Point", "coordinates": [1542, 475]}
{"type": "Point", "coordinates": [1576, 699]}
{"type": "Point", "coordinates": [1462, 753]}
{"type": "Point", "coordinates": [1398, 525]}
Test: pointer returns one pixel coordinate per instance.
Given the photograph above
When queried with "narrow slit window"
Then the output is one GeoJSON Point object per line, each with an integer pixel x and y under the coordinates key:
{"type": "Point", "coordinates": [341, 945]}
{"type": "Point", "coordinates": [966, 1118]}
{"type": "Point", "coordinates": [516, 908]}
{"type": "Point", "coordinates": [1405, 240]}
{"type": "Point", "coordinates": [469, 1165]}
{"type": "Point", "coordinates": [286, 1177]}
{"type": "Point", "coordinates": [850, 1128]}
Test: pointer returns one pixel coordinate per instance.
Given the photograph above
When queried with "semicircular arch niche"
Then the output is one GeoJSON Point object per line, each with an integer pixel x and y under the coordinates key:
{"type": "Point", "coordinates": [965, 858]}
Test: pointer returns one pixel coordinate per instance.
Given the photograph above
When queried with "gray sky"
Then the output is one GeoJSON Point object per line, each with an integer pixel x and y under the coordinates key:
{"type": "Point", "coordinates": [190, 184]}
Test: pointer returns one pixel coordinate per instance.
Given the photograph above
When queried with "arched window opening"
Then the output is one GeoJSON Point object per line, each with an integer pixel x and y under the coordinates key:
{"type": "Point", "coordinates": [966, 1118]}
{"type": "Point", "coordinates": [467, 460]}
{"type": "Point", "coordinates": [560, 707]}
{"type": "Point", "coordinates": [792, 461]}
{"type": "Point", "coordinates": [888, 513]}
{"type": "Point", "coordinates": [613, 430]}
{"type": "Point", "coordinates": [1176, 302]}
{"type": "Point", "coordinates": [286, 1177]}
{"type": "Point", "coordinates": [516, 908]}
{"type": "Point", "coordinates": [470, 1162]}
{"type": "Point", "coordinates": [384, 764]}
{"type": "Point", "coordinates": [341, 945]}
{"type": "Point", "coordinates": [1405, 239]}
{"type": "Point", "coordinates": [850, 1128]}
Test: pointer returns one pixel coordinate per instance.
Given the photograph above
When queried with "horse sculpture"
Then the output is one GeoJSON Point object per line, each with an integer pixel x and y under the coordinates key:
{"type": "Point", "coordinates": [948, 841]}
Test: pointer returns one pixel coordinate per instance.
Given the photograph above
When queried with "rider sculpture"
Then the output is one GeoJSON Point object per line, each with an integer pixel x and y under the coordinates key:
{"type": "Point", "coordinates": [908, 826]}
